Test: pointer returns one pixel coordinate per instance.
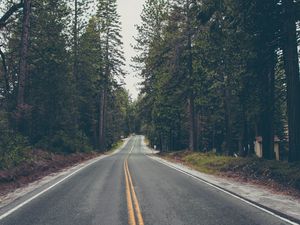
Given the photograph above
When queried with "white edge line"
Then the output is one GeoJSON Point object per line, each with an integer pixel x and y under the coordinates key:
{"type": "Point", "coordinates": [52, 186]}
{"type": "Point", "coordinates": [220, 189]}
{"type": "Point", "coordinates": [133, 145]}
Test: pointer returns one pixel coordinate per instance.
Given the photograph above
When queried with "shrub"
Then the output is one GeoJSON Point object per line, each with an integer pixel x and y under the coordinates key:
{"type": "Point", "coordinates": [13, 146]}
{"type": "Point", "coordinates": [64, 142]}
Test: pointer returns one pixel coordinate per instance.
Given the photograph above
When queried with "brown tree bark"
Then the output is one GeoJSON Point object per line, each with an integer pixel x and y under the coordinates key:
{"type": "Point", "coordinates": [24, 52]}
{"type": "Point", "coordinates": [291, 64]}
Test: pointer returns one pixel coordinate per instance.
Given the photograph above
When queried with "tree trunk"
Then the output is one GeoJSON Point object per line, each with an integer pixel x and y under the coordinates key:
{"type": "Point", "coordinates": [199, 129]}
{"type": "Point", "coordinates": [24, 52]}
{"type": "Point", "coordinates": [291, 64]}
{"type": "Point", "coordinates": [102, 121]}
{"type": "Point", "coordinates": [75, 65]}
{"type": "Point", "coordinates": [228, 127]}
{"type": "Point", "coordinates": [103, 100]}
{"type": "Point", "coordinates": [191, 115]}
{"type": "Point", "coordinates": [267, 116]}
{"type": "Point", "coordinates": [190, 100]}
{"type": "Point", "coordinates": [245, 134]}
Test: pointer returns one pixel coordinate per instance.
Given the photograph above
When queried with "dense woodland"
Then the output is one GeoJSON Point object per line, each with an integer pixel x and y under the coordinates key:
{"type": "Point", "coordinates": [219, 74]}
{"type": "Point", "coordinates": [61, 77]}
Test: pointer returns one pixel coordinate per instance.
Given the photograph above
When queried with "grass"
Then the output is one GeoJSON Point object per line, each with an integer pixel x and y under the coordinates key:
{"type": "Point", "coordinates": [115, 147]}
{"type": "Point", "coordinates": [146, 141]}
{"type": "Point", "coordinates": [282, 173]}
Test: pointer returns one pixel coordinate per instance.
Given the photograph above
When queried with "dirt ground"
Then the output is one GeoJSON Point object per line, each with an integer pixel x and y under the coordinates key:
{"type": "Point", "coordinates": [41, 164]}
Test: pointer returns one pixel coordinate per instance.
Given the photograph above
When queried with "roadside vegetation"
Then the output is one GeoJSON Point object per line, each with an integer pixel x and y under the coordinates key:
{"type": "Point", "coordinates": [61, 82]}
{"type": "Point", "coordinates": [36, 164]}
{"type": "Point", "coordinates": [115, 146]}
{"type": "Point", "coordinates": [29, 165]}
{"type": "Point", "coordinates": [220, 75]}
{"type": "Point", "coordinates": [281, 176]}
{"type": "Point", "coordinates": [221, 79]}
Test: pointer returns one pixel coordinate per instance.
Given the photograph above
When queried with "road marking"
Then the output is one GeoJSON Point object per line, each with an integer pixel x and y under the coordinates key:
{"type": "Point", "coordinates": [47, 189]}
{"type": "Point", "coordinates": [132, 201]}
{"type": "Point", "coordinates": [131, 149]}
{"type": "Point", "coordinates": [131, 218]}
{"type": "Point", "coordinates": [57, 183]}
{"type": "Point", "coordinates": [225, 191]}
{"type": "Point", "coordinates": [135, 200]}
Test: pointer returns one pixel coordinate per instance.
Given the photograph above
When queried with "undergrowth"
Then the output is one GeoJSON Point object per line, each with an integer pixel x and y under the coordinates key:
{"type": "Point", "coordinates": [281, 172]}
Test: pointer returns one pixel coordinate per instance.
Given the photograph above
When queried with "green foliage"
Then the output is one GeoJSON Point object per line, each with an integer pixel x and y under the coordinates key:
{"type": "Point", "coordinates": [63, 142]}
{"type": "Point", "coordinates": [219, 55]}
{"type": "Point", "coordinates": [13, 146]}
{"type": "Point", "coordinates": [115, 146]}
{"type": "Point", "coordinates": [74, 55]}
{"type": "Point", "coordinates": [283, 173]}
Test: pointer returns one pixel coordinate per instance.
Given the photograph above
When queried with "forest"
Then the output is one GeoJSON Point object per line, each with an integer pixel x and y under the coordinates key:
{"type": "Point", "coordinates": [220, 75]}
{"type": "Point", "coordinates": [61, 77]}
{"type": "Point", "coordinates": [149, 112]}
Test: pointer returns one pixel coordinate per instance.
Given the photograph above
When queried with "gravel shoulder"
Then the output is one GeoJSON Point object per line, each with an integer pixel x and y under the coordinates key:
{"type": "Point", "coordinates": [271, 196]}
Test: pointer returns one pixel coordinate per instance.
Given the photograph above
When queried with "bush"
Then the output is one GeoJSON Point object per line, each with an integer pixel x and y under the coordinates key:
{"type": "Point", "coordinates": [63, 142]}
{"type": "Point", "coordinates": [13, 146]}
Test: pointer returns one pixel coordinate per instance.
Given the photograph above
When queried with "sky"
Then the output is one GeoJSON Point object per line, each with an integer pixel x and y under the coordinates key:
{"type": "Point", "coordinates": [130, 11]}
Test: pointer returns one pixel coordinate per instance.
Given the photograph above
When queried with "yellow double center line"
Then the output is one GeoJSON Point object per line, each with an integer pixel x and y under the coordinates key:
{"type": "Point", "coordinates": [134, 211]}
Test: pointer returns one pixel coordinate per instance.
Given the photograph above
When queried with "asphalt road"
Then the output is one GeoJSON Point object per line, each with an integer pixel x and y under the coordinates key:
{"type": "Point", "coordinates": [146, 192]}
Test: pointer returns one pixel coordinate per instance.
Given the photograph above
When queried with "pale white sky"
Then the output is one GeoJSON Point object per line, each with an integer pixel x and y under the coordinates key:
{"type": "Point", "coordinates": [130, 11]}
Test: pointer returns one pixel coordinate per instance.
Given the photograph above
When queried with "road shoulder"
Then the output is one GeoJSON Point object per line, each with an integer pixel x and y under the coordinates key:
{"type": "Point", "coordinates": [22, 194]}
{"type": "Point", "coordinates": [282, 205]}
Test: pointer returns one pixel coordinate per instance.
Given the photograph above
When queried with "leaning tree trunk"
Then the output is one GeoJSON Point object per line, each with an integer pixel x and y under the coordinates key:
{"type": "Point", "coordinates": [291, 64]}
{"type": "Point", "coordinates": [13, 9]}
{"type": "Point", "coordinates": [24, 53]}
{"type": "Point", "coordinates": [3, 20]}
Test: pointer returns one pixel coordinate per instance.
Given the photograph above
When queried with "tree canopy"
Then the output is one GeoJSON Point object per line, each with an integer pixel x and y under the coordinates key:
{"type": "Point", "coordinates": [220, 75]}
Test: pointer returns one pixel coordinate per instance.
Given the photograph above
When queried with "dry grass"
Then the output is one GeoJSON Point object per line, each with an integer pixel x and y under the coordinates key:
{"type": "Point", "coordinates": [283, 174]}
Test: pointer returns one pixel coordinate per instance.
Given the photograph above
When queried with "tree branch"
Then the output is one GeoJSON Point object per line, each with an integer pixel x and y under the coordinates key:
{"type": "Point", "coordinates": [5, 73]}
{"type": "Point", "coordinates": [14, 8]}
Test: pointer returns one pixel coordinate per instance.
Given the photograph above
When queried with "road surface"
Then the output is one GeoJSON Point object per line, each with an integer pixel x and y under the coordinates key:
{"type": "Point", "coordinates": [131, 188]}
